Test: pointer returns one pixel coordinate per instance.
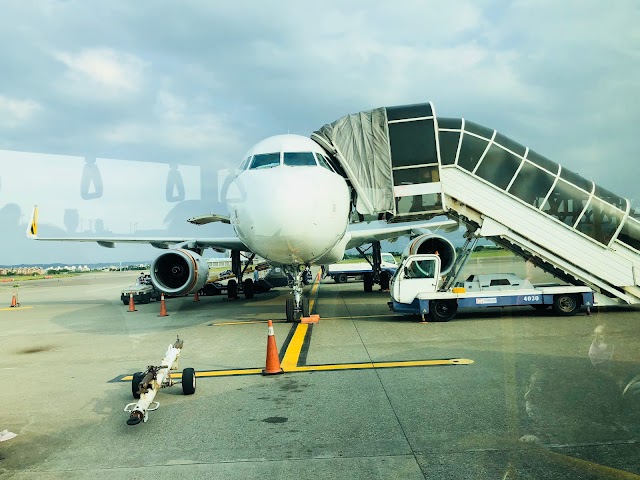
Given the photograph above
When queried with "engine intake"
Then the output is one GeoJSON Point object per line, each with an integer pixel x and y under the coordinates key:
{"type": "Point", "coordinates": [179, 272]}
{"type": "Point", "coordinates": [430, 243]}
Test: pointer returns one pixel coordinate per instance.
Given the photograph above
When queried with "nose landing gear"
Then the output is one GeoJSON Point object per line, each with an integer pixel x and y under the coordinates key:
{"type": "Point", "coordinates": [298, 305]}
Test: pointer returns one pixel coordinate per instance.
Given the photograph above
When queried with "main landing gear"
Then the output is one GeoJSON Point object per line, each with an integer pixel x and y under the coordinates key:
{"type": "Point", "coordinates": [297, 306]}
{"type": "Point", "coordinates": [377, 275]}
{"type": "Point", "coordinates": [247, 286]}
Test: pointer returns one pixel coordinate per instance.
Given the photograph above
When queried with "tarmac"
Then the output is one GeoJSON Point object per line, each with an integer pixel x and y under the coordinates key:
{"type": "Point", "coordinates": [366, 394]}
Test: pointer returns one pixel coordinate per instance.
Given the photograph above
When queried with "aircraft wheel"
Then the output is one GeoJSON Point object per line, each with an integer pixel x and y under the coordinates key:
{"type": "Point", "coordinates": [135, 384]}
{"type": "Point", "coordinates": [232, 289]}
{"type": "Point", "coordinates": [249, 288]}
{"type": "Point", "coordinates": [385, 279]}
{"type": "Point", "coordinates": [125, 302]}
{"type": "Point", "coordinates": [305, 307]}
{"type": "Point", "coordinates": [289, 310]}
{"type": "Point", "coordinates": [367, 279]}
{"type": "Point", "coordinates": [443, 310]}
{"type": "Point", "coordinates": [188, 381]}
{"type": "Point", "coordinates": [566, 304]}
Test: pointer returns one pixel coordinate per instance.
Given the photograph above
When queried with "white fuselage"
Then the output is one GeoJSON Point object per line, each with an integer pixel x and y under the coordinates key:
{"type": "Point", "coordinates": [289, 215]}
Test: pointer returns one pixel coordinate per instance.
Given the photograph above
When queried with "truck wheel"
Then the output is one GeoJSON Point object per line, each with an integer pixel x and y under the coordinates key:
{"type": "Point", "coordinates": [566, 304]}
{"type": "Point", "coordinates": [289, 310]}
{"type": "Point", "coordinates": [367, 279]}
{"type": "Point", "coordinates": [385, 278]}
{"type": "Point", "coordinates": [341, 278]}
{"type": "Point", "coordinates": [188, 381]}
{"type": "Point", "coordinates": [443, 310]}
{"type": "Point", "coordinates": [232, 289]}
{"type": "Point", "coordinates": [249, 290]}
{"type": "Point", "coordinates": [135, 384]}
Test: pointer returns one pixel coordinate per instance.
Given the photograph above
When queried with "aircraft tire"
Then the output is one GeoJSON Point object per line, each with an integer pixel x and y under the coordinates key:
{"type": "Point", "coordinates": [188, 381]}
{"type": "Point", "coordinates": [232, 289]}
{"type": "Point", "coordinates": [566, 304]}
{"type": "Point", "coordinates": [249, 288]}
{"type": "Point", "coordinates": [385, 278]}
{"type": "Point", "coordinates": [442, 310]}
{"type": "Point", "coordinates": [367, 279]}
{"type": "Point", "coordinates": [135, 384]}
{"type": "Point", "coordinates": [305, 307]}
{"type": "Point", "coordinates": [289, 310]}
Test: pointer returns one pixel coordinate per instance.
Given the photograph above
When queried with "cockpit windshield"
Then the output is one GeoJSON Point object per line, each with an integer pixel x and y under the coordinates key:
{"type": "Point", "coordinates": [299, 159]}
{"type": "Point", "coordinates": [265, 160]}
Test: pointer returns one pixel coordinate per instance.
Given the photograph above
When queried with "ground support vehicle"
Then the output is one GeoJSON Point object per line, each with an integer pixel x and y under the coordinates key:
{"type": "Point", "coordinates": [145, 385]}
{"type": "Point", "coordinates": [143, 291]}
{"type": "Point", "coordinates": [219, 284]}
{"type": "Point", "coordinates": [342, 272]}
{"type": "Point", "coordinates": [417, 289]}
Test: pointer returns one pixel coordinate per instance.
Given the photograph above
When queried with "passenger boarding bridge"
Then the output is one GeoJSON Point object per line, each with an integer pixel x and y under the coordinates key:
{"type": "Point", "coordinates": [408, 164]}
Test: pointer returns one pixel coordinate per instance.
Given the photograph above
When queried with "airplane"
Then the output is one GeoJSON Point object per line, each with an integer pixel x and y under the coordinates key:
{"type": "Point", "coordinates": [288, 204]}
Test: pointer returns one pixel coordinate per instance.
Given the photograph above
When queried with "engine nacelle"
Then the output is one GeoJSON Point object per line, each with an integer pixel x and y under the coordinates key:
{"type": "Point", "coordinates": [430, 243]}
{"type": "Point", "coordinates": [179, 271]}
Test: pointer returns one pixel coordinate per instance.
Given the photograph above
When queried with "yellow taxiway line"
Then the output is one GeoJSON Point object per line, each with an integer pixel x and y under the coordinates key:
{"type": "Point", "coordinates": [292, 354]}
{"type": "Point", "coordinates": [323, 368]}
{"type": "Point", "coordinates": [14, 308]}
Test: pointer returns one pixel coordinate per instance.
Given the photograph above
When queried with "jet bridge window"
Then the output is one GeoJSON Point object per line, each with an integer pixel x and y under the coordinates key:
{"type": "Point", "coordinates": [299, 159]}
{"type": "Point", "coordinates": [265, 160]}
{"type": "Point", "coordinates": [448, 146]}
{"type": "Point", "coordinates": [498, 167]}
{"type": "Point", "coordinates": [532, 184]}
{"type": "Point", "coordinates": [630, 233]}
{"type": "Point", "coordinates": [600, 221]}
{"type": "Point", "coordinates": [566, 203]}
{"type": "Point", "coordinates": [471, 150]}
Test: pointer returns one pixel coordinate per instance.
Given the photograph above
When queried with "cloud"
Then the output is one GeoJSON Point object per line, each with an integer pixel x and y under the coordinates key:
{"type": "Point", "coordinates": [104, 69]}
{"type": "Point", "coordinates": [14, 112]}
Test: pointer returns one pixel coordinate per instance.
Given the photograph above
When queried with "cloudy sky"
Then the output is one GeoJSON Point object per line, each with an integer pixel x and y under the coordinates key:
{"type": "Point", "coordinates": [138, 91]}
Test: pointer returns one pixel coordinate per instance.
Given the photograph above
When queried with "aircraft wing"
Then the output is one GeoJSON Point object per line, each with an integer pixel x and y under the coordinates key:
{"type": "Point", "coordinates": [361, 233]}
{"type": "Point", "coordinates": [221, 243]}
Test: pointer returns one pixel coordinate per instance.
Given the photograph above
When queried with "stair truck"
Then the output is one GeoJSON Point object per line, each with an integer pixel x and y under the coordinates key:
{"type": "Point", "coordinates": [418, 288]}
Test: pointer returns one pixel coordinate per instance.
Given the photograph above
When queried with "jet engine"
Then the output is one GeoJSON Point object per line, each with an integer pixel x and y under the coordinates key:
{"type": "Point", "coordinates": [429, 243]}
{"type": "Point", "coordinates": [179, 271]}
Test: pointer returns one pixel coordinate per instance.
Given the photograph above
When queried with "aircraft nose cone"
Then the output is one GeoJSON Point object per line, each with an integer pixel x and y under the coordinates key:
{"type": "Point", "coordinates": [301, 214]}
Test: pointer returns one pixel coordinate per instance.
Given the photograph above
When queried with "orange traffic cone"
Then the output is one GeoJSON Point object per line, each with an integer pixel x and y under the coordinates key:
{"type": "Point", "coordinates": [132, 307]}
{"type": "Point", "coordinates": [163, 307]}
{"type": "Point", "coordinates": [14, 300]}
{"type": "Point", "coordinates": [196, 297]}
{"type": "Point", "coordinates": [273, 362]}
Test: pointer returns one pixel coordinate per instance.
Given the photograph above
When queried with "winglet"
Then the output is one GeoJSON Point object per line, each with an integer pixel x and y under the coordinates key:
{"type": "Point", "coordinates": [32, 230]}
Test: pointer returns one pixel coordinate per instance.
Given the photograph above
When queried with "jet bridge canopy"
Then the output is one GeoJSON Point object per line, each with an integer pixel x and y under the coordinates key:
{"type": "Point", "coordinates": [390, 155]}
